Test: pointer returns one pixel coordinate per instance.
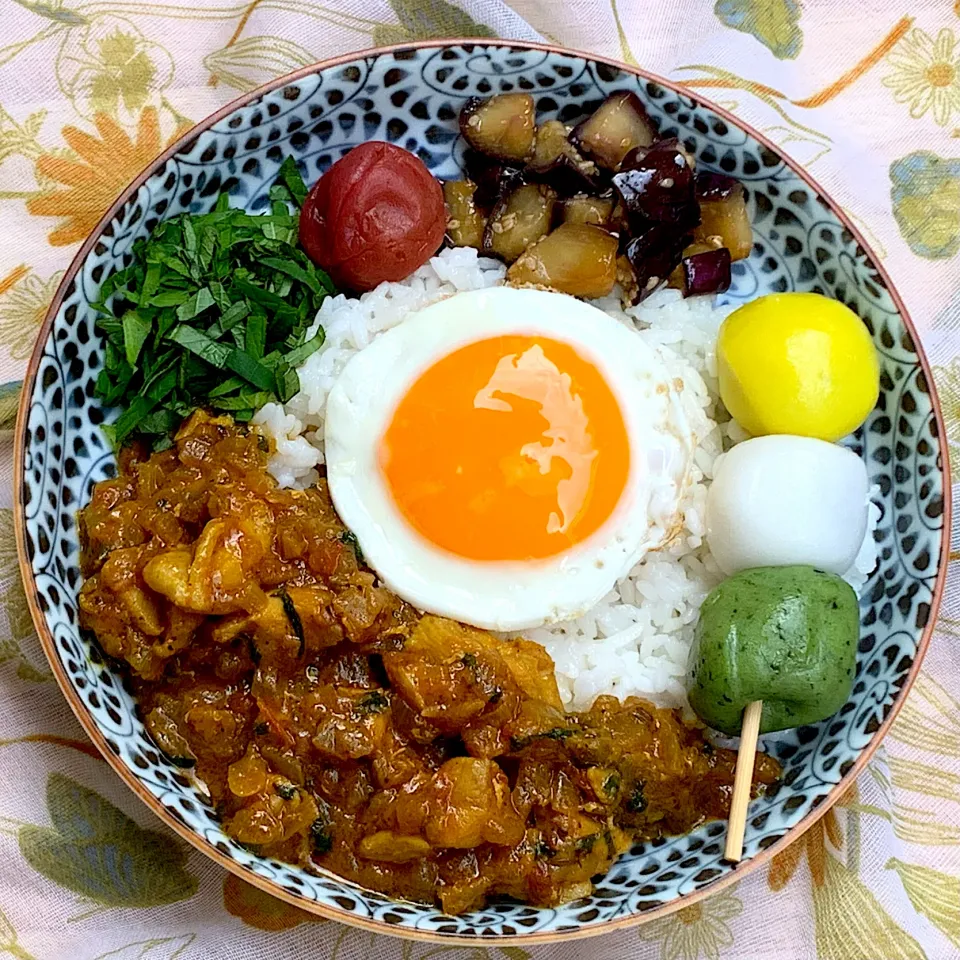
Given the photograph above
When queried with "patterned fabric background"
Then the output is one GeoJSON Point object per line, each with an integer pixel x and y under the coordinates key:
{"type": "Point", "coordinates": [865, 93]}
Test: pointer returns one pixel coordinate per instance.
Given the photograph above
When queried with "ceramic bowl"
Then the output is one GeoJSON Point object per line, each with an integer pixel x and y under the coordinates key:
{"type": "Point", "coordinates": [411, 96]}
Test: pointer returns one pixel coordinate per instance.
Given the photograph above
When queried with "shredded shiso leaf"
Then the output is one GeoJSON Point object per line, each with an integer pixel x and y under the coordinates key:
{"type": "Point", "coordinates": [213, 312]}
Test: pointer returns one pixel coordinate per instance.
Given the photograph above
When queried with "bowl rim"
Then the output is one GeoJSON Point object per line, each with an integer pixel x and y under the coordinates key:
{"type": "Point", "coordinates": [271, 887]}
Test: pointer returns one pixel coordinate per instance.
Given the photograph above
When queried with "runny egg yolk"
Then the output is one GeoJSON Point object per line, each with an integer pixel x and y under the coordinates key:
{"type": "Point", "coordinates": [509, 448]}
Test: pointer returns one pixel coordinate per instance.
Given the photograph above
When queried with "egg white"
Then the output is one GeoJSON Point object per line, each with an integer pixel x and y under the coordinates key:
{"type": "Point", "coordinates": [519, 594]}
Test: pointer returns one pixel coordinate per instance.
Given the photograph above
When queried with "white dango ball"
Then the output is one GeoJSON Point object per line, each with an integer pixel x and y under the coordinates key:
{"type": "Point", "coordinates": [781, 500]}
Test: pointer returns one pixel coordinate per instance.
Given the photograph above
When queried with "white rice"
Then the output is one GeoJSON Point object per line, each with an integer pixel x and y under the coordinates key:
{"type": "Point", "coordinates": [637, 639]}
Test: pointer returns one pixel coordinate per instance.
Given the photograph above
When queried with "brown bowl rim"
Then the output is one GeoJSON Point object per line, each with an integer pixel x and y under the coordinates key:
{"type": "Point", "coordinates": [312, 906]}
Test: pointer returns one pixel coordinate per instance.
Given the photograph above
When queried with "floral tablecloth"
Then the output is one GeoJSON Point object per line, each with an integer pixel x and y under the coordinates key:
{"type": "Point", "coordinates": [865, 93]}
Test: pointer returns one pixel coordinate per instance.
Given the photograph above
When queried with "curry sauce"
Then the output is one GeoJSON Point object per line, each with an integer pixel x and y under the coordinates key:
{"type": "Point", "coordinates": [337, 727]}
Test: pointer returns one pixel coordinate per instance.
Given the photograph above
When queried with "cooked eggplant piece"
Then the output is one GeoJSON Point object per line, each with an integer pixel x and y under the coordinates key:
{"type": "Point", "coordinates": [494, 178]}
{"type": "Point", "coordinates": [503, 126]}
{"type": "Point", "coordinates": [657, 184]}
{"type": "Point", "coordinates": [707, 272]}
{"type": "Point", "coordinates": [558, 162]}
{"type": "Point", "coordinates": [620, 124]}
{"type": "Point", "coordinates": [678, 278]}
{"type": "Point", "coordinates": [583, 208]}
{"type": "Point", "coordinates": [576, 258]}
{"type": "Point", "coordinates": [653, 255]}
{"type": "Point", "coordinates": [699, 273]}
{"type": "Point", "coordinates": [724, 216]}
{"type": "Point", "coordinates": [550, 147]}
{"type": "Point", "coordinates": [715, 186]}
{"type": "Point", "coordinates": [518, 220]}
{"type": "Point", "coordinates": [465, 223]}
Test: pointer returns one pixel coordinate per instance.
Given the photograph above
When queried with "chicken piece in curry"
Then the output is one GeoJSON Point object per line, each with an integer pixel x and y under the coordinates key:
{"type": "Point", "coordinates": [335, 726]}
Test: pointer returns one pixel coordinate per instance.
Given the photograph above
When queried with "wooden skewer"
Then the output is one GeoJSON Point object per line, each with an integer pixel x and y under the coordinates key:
{"type": "Point", "coordinates": [742, 781]}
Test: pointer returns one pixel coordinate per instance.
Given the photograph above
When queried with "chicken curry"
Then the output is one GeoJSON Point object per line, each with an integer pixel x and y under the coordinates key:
{"type": "Point", "coordinates": [337, 727]}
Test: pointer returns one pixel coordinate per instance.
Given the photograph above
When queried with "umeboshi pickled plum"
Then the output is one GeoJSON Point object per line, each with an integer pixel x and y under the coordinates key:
{"type": "Point", "coordinates": [377, 214]}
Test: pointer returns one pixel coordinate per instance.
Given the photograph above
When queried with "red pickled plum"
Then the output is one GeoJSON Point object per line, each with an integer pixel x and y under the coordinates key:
{"type": "Point", "coordinates": [377, 214]}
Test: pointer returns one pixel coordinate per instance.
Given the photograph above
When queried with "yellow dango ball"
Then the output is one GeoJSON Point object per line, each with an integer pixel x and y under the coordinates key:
{"type": "Point", "coordinates": [797, 363]}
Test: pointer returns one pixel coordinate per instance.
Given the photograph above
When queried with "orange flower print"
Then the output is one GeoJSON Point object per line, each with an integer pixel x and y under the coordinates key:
{"type": "Point", "coordinates": [105, 166]}
{"type": "Point", "coordinates": [784, 865]}
{"type": "Point", "coordinates": [13, 277]}
{"type": "Point", "coordinates": [258, 909]}
{"type": "Point", "coordinates": [814, 843]}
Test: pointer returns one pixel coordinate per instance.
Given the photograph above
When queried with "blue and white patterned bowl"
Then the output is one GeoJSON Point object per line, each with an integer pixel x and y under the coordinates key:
{"type": "Point", "coordinates": [411, 96]}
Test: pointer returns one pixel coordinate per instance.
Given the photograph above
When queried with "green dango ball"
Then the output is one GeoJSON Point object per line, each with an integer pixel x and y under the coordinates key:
{"type": "Point", "coordinates": [784, 635]}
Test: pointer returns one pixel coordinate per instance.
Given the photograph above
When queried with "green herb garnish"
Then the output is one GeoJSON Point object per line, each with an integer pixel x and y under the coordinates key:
{"type": "Point", "coordinates": [638, 801]}
{"type": "Point", "coordinates": [374, 702]}
{"type": "Point", "coordinates": [294, 618]}
{"type": "Point", "coordinates": [350, 538]}
{"type": "Point", "coordinates": [586, 844]}
{"type": "Point", "coordinates": [543, 851]}
{"type": "Point", "coordinates": [284, 790]}
{"type": "Point", "coordinates": [611, 786]}
{"type": "Point", "coordinates": [213, 312]}
{"type": "Point", "coordinates": [320, 835]}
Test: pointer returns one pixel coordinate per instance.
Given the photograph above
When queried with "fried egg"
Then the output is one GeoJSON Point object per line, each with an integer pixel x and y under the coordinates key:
{"type": "Point", "coordinates": [504, 456]}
